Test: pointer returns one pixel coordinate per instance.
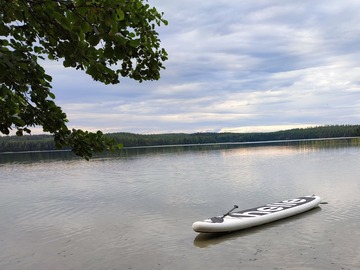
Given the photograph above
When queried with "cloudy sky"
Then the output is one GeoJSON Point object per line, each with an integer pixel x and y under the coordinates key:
{"type": "Point", "coordinates": [240, 65]}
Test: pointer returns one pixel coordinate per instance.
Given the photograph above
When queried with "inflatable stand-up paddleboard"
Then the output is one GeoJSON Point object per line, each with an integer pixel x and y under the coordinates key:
{"type": "Point", "coordinates": [233, 221]}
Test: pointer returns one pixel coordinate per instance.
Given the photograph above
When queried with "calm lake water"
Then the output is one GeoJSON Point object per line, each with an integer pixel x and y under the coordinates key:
{"type": "Point", "coordinates": [135, 210]}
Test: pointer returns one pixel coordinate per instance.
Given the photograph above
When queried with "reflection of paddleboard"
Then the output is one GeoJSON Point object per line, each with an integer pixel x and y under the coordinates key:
{"type": "Point", "coordinates": [233, 221]}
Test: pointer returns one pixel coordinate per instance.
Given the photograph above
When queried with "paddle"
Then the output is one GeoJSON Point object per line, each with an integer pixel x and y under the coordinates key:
{"type": "Point", "coordinates": [221, 219]}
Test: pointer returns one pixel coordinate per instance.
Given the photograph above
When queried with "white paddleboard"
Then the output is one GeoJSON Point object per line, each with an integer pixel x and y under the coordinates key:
{"type": "Point", "coordinates": [233, 221]}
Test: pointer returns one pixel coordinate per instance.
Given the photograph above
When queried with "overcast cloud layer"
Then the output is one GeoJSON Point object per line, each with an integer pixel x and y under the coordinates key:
{"type": "Point", "coordinates": [233, 66]}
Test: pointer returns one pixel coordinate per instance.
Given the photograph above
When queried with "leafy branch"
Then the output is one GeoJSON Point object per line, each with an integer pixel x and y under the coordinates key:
{"type": "Point", "coordinates": [71, 31]}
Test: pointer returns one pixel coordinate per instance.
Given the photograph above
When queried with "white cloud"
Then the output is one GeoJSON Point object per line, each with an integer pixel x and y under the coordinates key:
{"type": "Point", "coordinates": [233, 64]}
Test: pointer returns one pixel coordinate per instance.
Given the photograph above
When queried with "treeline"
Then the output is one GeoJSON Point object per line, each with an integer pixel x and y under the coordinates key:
{"type": "Point", "coordinates": [132, 140]}
{"type": "Point", "coordinates": [27, 143]}
{"type": "Point", "coordinates": [45, 142]}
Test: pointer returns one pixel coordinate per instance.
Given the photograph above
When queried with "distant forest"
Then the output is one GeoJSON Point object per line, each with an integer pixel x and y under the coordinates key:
{"type": "Point", "coordinates": [45, 142]}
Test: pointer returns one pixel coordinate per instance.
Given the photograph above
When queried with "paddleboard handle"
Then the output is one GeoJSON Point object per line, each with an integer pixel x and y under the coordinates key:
{"type": "Point", "coordinates": [228, 213]}
{"type": "Point", "coordinates": [220, 219]}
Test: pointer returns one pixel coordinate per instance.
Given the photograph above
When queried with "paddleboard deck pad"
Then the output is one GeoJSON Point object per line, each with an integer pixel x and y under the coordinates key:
{"type": "Point", "coordinates": [256, 216]}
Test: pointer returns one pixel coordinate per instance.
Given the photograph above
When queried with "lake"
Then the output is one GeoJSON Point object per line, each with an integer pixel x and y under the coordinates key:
{"type": "Point", "coordinates": [134, 210]}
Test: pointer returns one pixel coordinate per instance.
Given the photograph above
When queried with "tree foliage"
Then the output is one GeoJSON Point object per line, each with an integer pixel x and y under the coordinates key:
{"type": "Point", "coordinates": [107, 39]}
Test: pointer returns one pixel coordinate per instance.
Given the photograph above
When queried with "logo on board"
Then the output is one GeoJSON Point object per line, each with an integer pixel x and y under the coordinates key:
{"type": "Point", "coordinates": [271, 208]}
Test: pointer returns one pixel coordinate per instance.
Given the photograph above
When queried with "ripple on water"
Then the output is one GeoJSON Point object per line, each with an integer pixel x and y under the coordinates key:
{"type": "Point", "coordinates": [340, 210]}
{"type": "Point", "coordinates": [137, 213]}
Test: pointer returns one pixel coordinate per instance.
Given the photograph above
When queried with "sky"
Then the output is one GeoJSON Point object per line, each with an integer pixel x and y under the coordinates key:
{"type": "Point", "coordinates": [234, 66]}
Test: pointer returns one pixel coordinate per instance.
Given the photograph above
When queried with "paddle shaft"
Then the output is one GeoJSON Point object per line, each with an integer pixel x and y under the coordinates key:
{"type": "Point", "coordinates": [235, 206]}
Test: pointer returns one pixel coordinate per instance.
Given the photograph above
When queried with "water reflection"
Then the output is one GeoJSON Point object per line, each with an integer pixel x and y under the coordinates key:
{"type": "Point", "coordinates": [134, 209]}
{"type": "Point", "coordinates": [242, 147]}
{"type": "Point", "coordinates": [36, 156]}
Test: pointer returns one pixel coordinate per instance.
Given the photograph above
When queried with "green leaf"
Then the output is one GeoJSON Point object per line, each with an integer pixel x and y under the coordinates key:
{"type": "Point", "coordinates": [120, 14]}
{"type": "Point", "coordinates": [86, 27]}
{"type": "Point", "coordinates": [108, 52]}
{"type": "Point", "coordinates": [94, 39]}
{"type": "Point", "coordinates": [38, 49]}
{"type": "Point", "coordinates": [51, 95]}
{"type": "Point", "coordinates": [18, 121]}
{"type": "Point", "coordinates": [134, 43]}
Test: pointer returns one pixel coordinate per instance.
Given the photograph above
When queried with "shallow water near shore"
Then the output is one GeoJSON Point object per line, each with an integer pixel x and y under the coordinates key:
{"type": "Point", "coordinates": [135, 210]}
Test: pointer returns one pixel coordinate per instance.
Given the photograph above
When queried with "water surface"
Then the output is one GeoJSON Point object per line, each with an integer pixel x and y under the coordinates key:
{"type": "Point", "coordinates": [135, 210]}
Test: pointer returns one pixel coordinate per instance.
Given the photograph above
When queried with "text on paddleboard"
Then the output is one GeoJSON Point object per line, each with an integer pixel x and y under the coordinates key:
{"type": "Point", "coordinates": [271, 208]}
